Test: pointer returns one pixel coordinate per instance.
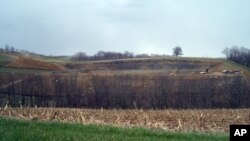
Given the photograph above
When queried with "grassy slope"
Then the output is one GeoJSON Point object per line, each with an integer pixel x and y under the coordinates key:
{"type": "Point", "coordinates": [56, 60]}
{"type": "Point", "coordinates": [232, 65]}
{"type": "Point", "coordinates": [11, 130]}
{"type": "Point", "coordinates": [4, 59]}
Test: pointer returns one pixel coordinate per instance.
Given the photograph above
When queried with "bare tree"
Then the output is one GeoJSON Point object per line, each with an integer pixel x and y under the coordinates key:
{"type": "Point", "coordinates": [226, 51]}
{"type": "Point", "coordinates": [237, 54]}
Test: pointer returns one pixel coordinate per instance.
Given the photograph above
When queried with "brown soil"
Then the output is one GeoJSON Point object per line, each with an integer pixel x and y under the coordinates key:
{"type": "Point", "coordinates": [23, 62]}
{"type": "Point", "coordinates": [175, 120]}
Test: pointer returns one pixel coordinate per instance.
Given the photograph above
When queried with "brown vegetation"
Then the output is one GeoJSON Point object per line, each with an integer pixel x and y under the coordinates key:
{"type": "Point", "coordinates": [152, 83]}
{"type": "Point", "coordinates": [23, 62]}
{"type": "Point", "coordinates": [127, 91]}
{"type": "Point", "coordinates": [176, 120]}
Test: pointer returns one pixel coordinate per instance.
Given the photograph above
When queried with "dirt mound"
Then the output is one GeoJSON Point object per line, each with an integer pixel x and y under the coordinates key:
{"type": "Point", "coordinates": [23, 62]}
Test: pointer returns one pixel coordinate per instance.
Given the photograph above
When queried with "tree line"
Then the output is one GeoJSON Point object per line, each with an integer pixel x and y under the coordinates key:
{"type": "Point", "coordinates": [100, 55]}
{"type": "Point", "coordinates": [240, 55]}
{"type": "Point", "coordinates": [109, 55]}
{"type": "Point", "coordinates": [124, 91]}
{"type": "Point", "coordinates": [8, 49]}
{"type": "Point", "coordinates": [106, 55]}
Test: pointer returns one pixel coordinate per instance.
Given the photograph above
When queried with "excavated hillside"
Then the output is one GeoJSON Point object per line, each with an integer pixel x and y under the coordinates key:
{"type": "Point", "coordinates": [22, 62]}
{"type": "Point", "coordinates": [156, 83]}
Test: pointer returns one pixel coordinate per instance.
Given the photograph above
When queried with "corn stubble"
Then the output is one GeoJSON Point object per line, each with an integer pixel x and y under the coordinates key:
{"type": "Point", "coordinates": [217, 120]}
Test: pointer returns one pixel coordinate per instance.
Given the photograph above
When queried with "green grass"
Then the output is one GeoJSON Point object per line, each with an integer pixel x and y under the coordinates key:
{"type": "Point", "coordinates": [232, 65]}
{"type": "Point", "coordinates": [57, 60]}
{"type": "Point", "coordinates": [12, 130]}
{"type": "Point", "coordinates": [4, 59]}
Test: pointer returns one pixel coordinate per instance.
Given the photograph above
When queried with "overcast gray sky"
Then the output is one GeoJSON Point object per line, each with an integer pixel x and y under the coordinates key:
{"type": "Point", "coordinates": [64, 27]}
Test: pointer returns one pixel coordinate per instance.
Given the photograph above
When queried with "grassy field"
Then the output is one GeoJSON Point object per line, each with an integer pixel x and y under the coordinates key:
{"type": "Point", "coordinates": [231, 65]}
{"type": "Point", "coordinates": [12, 130]}
{"type": "Point", "coordinates": [4, 59]}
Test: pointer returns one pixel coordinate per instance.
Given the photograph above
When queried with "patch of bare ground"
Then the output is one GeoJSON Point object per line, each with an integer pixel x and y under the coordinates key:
{"type": "Point", "coordinates": [23, 62]}
{"type": "Point", "coordinates": [217, 120]}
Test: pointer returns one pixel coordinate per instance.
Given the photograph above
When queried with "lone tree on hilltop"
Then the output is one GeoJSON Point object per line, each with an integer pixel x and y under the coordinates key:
{"type": "Point", "coordinates": [177, 51]}
{"type": "Point", "coordinates": [80, 56]}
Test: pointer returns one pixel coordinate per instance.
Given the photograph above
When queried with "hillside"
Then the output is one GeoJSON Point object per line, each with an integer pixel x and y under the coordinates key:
{"type": "Point", "coordinates": [156, 83]}
{"type": "Point", "coordinates": [5, 59]}
{"type": "Point", "coordinates": [22, 62]}
{"type": "Point", "coordinates": [165, 65]}
{"type": "Point", "coordinates": [19, 63]}
{"type": "Point", "coordinates": [168, 65]}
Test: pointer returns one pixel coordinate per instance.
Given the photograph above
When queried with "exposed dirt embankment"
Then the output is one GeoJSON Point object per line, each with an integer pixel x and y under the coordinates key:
{"type": "Point", "coordinates": [23, 62]}
{"type": "Point", "coordinates": [147, 64]}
